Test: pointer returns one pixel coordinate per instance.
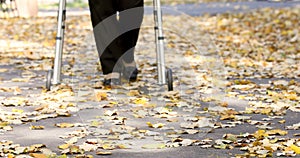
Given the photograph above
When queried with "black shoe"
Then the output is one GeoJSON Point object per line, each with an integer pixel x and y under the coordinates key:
{"type": "Point", "coordinates": [112, 79]}
{"type": "Point", "coordinates": [130, 73]}
{"type": "Point", "coordinates": [111, 82]}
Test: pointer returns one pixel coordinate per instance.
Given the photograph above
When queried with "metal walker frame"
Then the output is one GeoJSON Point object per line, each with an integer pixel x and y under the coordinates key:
{"type": "Point", "coordinates": [164, 75]}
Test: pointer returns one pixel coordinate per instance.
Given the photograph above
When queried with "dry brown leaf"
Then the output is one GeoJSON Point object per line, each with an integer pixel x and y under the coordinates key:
{"type": "Point", "coordinates": [100, 96]}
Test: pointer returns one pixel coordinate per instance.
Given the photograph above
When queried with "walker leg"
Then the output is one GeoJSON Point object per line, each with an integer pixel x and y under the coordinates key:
{"type": "Point", "coordinates": [59, 42]}
{"type": "Point", "coordinates": [56, 74]}
{"type": "Point", "coordinates": [159, 39]}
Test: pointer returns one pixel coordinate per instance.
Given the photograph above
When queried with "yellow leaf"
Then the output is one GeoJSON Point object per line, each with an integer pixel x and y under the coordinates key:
{"type": "Point", "coordinates": [108, 147]}
{"type": "Point", "coordinates": [227, 117]}
{"type": "Point", "coordinates": [133, 93]}
{"type": "Point", "coordinates": [149, 124]}
{"type": "Point", "coordinates": [64, 146]}
{"type": "Point", "coordinates": [35, 155]}
{"type": "Point", "coordinates": [95, 123]}
{"type": "Point", "coordinates": [260, 134]}
{"type": "Point", "coordinates": [154, 146]}
{"type": "Point", "coordinates": [141, 101]}
{"type": "Point", "coordinates": [224, 104]}
{"type": "Point", "coordinates": [18, 110]}
{"type": "Point", "coordinates": [266, 111]}
{"type": "Point", "coordinates": [3, 70]}
{"type": "Point", "coordinates": [137, 116]}
{"type": "Point", "coordinates": [295, 148]}
{"type": "Point", "coordinates": [10, 156]}
{"type": "Point", "coordinates": [19, 80]}
{"type": "Point", "coordinates": [63, 156]}
{"type": "Point", "coordinates": [241, 97]}
{"type": "Point", "coordinates": [103, 153]}
{"type": "Point", "coordinates": [72, 140]}
{"type": "Point", "coordinates": [122, 146]}
{"type": "Point", "coordinates": [292, 96]}
{"type": "Point", "coordinates": [149, 105]}
{"type": "Point", "coordinates": [111, 112]}
{"type": "Point", "coordinates": [157, 125]}
{"type": "Point", "coordinates": [113, 137]}
{"type": "Point", "coordinates": [36, 147]}
{"type": "Point", "coordinates": [173, 120]}
{"type": "Point", "coordinates": [113, 103]}
{"type": "Point", "coordinates": [8, 128]}
{"type": "Point", "coordinates": [64, 125]}
{"type": "Point", "coordinates": [221, 146]}
{"type": "Point", "coordinates": [274, 141]}
{"type": "Point", "coordinates": [189, 91]}
{"type": "Point", "coordinates": [37, 127]}
{"type": "Point", "coordinates": [143, 131]}
{"type": "Point", "coordinates": [277, 131]}
{"type": "Point", "coordinates": [101, 96]}
{"type": "Point", "coordinates": [3, 124]}
{"type": "Point", "coordinates": [75, 150]}
{"type": "Point", "coordinates": [17, 91]}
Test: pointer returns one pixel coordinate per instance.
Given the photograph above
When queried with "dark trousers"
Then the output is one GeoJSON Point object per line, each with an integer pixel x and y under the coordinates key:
{"type": "Point", "coordinates": [115, 34]}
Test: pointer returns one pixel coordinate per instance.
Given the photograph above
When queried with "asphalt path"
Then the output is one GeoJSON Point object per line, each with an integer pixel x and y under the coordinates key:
{"type": "Point", "coordinates": [217, 8]}
{"type": "Point", "coordinates": [198, 9]}
{"type": "Point", "coordinates": [20, 135]}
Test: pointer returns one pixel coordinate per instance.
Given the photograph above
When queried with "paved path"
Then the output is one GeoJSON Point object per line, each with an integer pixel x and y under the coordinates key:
{"type": "Point", "coordinates": [23, 135]}
{"type": "Point", "coordinates": [198, 9]}
{"type": "Point", "coordinates": [216, 8]}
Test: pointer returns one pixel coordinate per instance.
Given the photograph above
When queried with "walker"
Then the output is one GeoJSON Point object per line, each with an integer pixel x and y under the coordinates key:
{"type": "Point", "coordinates": [164, 75]}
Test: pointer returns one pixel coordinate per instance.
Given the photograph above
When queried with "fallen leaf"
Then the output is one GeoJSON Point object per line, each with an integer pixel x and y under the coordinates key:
{"type": "Point", "coordinates": [281, 121]}
{"type": "Point", "coordinates": [104, 153]}
{"type": "Point", "coordinates": [100, 96]}
{"type": "Point", "coordinates": [140, 101]}
{"type": "Point", "coordinates": [277, 131]}
{"type": "Point", "coordinates": [88, 147]}
{"type": "Point", "coordinates": [64, 146]}
{"type": "Point", "coordinates": [95, 123]}
{"type": "Point", "coordinates": [153, 146]}
{"type": "Point", "coordinates": [111, 112]}
{"type": "Point", "coordinates": [187, 142]}
{"type": "Point", "coordinates": [37, 127]}
{"type": "Point", "coordinates": [35, 155]}
{"type": "Point", "coordinates": [157, 125]}
{"type": "Point", "coordinates": [18, 111]}
{"type": "Point", "coordinates": [72, 140]}
{"type": "Point", "coordinates": [64, 125]}
{"type": "Point", "coordinates": [108, 146]}
{"type": "Point", "coordinates": [295, 148]}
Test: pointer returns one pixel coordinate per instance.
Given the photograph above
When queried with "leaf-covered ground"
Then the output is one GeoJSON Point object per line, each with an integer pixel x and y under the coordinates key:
{"type": "Point", "coordinates": [175, 2]}
{"type": "Point", "coordinates": [236, 88]}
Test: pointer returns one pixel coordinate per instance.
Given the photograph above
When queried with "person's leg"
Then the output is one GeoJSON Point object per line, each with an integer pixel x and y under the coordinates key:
{"type": "Point", "coordinates": [130, 17]}
{"type": "Point", "coordinates": [105, 24]}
